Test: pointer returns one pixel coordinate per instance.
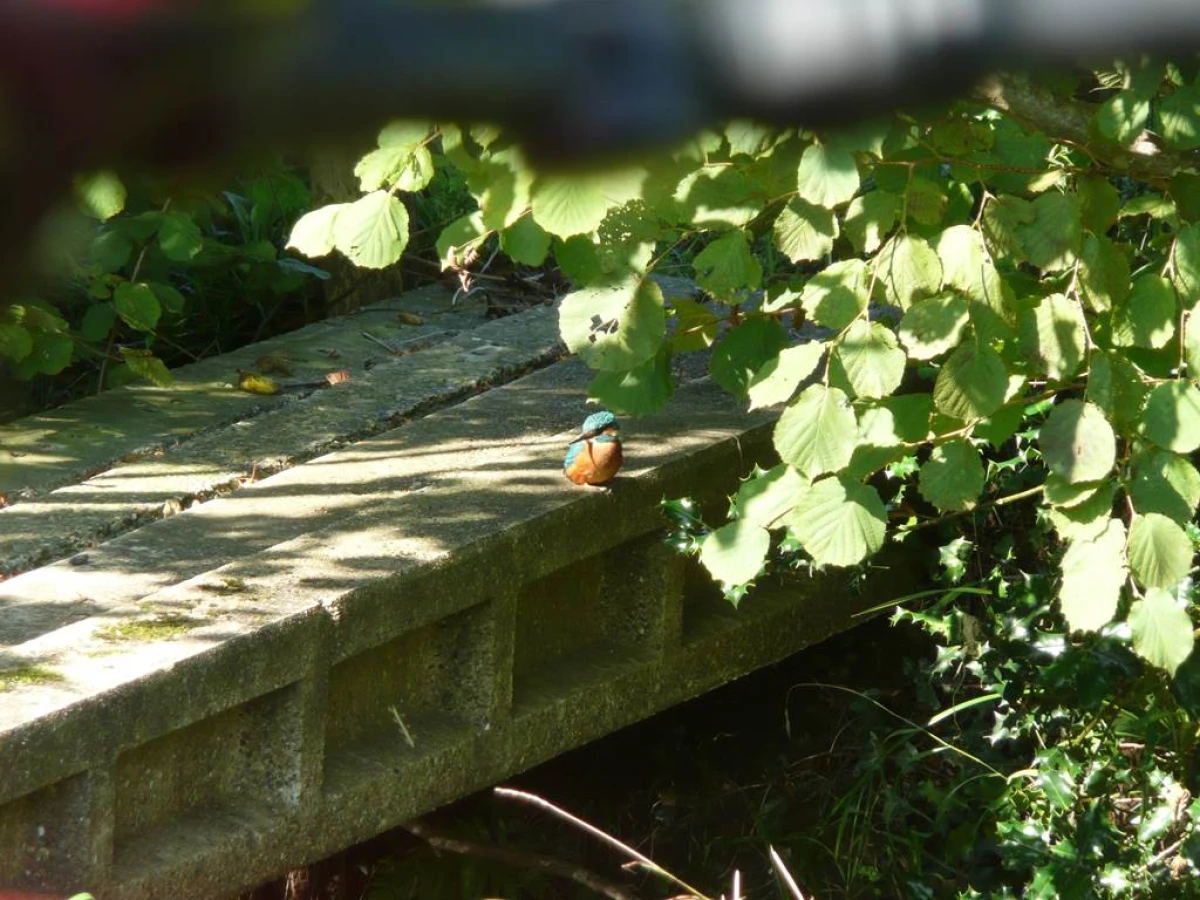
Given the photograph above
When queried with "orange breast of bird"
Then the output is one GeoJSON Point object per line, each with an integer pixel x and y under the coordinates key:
{"type": "Point", "coordinates": [596, 462]}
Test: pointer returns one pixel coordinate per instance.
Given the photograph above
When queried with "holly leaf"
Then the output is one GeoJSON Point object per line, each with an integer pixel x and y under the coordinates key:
{"type": "Point", "coordinates": [735, 553]}
{"type": "Point", "coordinates": [817, 432]}
{"type": "Point", "coordinates": [1078, 442]}
{"type": "Point", "coordinates": [614, 328]}
{"type": "Point", "coordinates": [872, 358]}
{"type": "Point", "coordinates": [1162, 630]}
{"type": "Point", "coordinates": [1160, 552]}
{"type": "Point", "coordinates": [952, 478]}
{"type": "Point", "coordinates": [1094, 572]}
{"type": "Point", "coordinates": [839, 522]}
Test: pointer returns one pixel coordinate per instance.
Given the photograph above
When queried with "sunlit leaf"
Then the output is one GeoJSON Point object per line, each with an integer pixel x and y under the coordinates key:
{"type": "Point", "coordinates": [1160, 552]}
{"type": "Point", "coordinates": [736, 552]}
{"type": "Point", "coordinates": [1162, 630]}
{"type": "Point", "coordinates": [839, 522]}
{"type": "Point", "coordinates": [1094, 572]}
{"type": "Point", "coordinates": [817, 432]}
{"type": "Point", "coordinates": [1078, 442]}
{"type": "Point", "coordinates": [952, 478]}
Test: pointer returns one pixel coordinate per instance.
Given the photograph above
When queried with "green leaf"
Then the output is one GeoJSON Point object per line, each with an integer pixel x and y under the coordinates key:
{"type": "Point", "coordinates": [566, 205]}
{"type": "Point", "coordinates": [579, 259]}
{"type": "Point", "coordinates": [926, 201]}
{"type": "Point", "coordinates": [372, 232]}
{"type": "Point", "coordinates": [828, 176]}
{"type": "Point", "coordinates": [1078, 442]}
{"type": "Point", "coordinates": [837, 295]}
{"type": "Point", "coordinates": [1165, 483]}
{"type": "Point", "coordinates": [965, 265]}
{"type": "Point", "coordinates": [614, 328]}
{"type": "Point", "coordinates": [643, 390]}
{"type": "Point", "coordinates": [1187, 265]}
{"type": "Point", "coordinates": [909, 269]}
{"type": "Point", "coordinates": [696, 327]}
{"type": "Point", "coordinates": [110, 251]}
{"type": "Point", "coordinates": [1172, 416]}
{"type": "Point", "coordinates": [100, 194]}
{"type": "Point", "coordinates": [727, 270]}
{"type": "Point", "coordinates": [872, 358]}
{"type": "Point", "coordinates": [51, 353]}
{"type": "Point", "coordinates": [721, 196]}
{"type": "Point", "coordinates": [1054, 238]}
{"type": "Point", "coordinates": [525, 242]}
{"type": "Point", "coordinates": [817, 432]}
{"type": "Point", "coordinates": [972, 384]}
{"type": "Point", "coordinates": [312, 234]}
{"type": "Point", "coordinates": [805, 232]}
{"type": "Point", "coordinates": [763, 500]}
{"type": "Point", "coordinates": [169, 298]}
{"type": "Point", "coordinates": [933, 326]}
{"type": "Point", "coordinates": [778, 379]}
{"type": "Point", "coordinates": [869, 218]}
{"type": "Point", "coordinates": [839, 522]}
{"type": "Point", "coordinates": [1094, 572]}
{"type": "Point", "coordinates": [1160, 552]}
{"type": "Point", "coordinates": [15, 342]}
{"type": "Point", "coordinates": [137, 305]}
{"type": "Point", "coordinates": [1061, 493]}
{"type": "Point", "coordinates": [1103, 274]}
{"type": "Point", "coordinates": [1003, 219]}
{"type": "Point", "coordinates": [1101, 203]}
{"type": "Point", "coordinates": [1116, 385]}
{"type": "Point", "coordinates": [736, 552]}
{"type": "Point", "coordinates": [1087, 520]}
{"type": "Point", "coordinates": [1162, 630]}
{"type": "Point", "coordinates": [179, 237]}
{"type": "Point", "coordinates": [406, 167]}
{"type": "Point", "coordinates": [459, 238]}
{"type": "Point", "coordinates": [97, 322]}
{"type": "Point", "coordinates": [146, 365]}
{"type": "Point", "coordinates": [952, 478]}
{"type": "Point", "coordinates": [506, 191]}
{"type": "Point", "coordinates": [744, 351]}
{"type": "Point", "coordinates": [1123, 117]}
{"type": "Point", "coordinates": [1052, 335]}
{"type": "Point", "coordinates": [1147, 317]}
{"type": "Point", "coordinates": [1180, 118]}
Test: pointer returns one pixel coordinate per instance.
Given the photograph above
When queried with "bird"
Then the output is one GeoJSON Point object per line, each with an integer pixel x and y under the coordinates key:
{"type": "Point", "coordinates": [595, 456]}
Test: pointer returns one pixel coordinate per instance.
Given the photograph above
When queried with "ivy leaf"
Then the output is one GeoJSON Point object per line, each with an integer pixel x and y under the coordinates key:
{"type": "Point", "coordinates": [869, 218]}
{"type": "Point", "coordinates": [525, 242]}
{"type": "Point", "coordinates": [1078, 442]}
{"type": "Point", "coordinates": [1052, 333]}
{"type": "Point", "coordinates": [952, 478]}
{"type": "Point", "coordinates": [1172, 416]}
{"type": "Point", "coordinates": [614, 328]}
{"type": "Point", "coordinates": [736, 552]}
{"type": "Point", "coordinates": [817, 432]}
{"type": "Point", "coordinates": [909, 269]}
{"type": "Point", "coordinates": [933, 326]}
{"type": "Point", "coordinates": [137, 305]}
{"type": "Point", "coordinates": [1055, 236]}
{"type": "Point", "coordinates": [972, 384]}
{"type": "Point", "coordinates": [179, 237]}
{"type": "Point", "coordinates": [146, 365]}
{"type": "Point", "coordinates": [778, 379]}
{"type": "Point", "coordinates": [1165, 483]}
{"type": "Point", "coordinates": [372, 232]}
{"type": "Point", "coordinates": [839, 522]}
{"type": "Point", "coordinates": [872, 358]}
{"type": "Point", "coordinates": [1162, 630]}
{"type": "Point", "coordinates": [765, 499]}
{"type": "Point", "coordinates": [100, 194]}
{"type": "Point", "coordinates": [726, 269]}
{"type": "Point", "coordinates": [828, 176]}
{"type": "Point", "coordinates": [1160, 552]}
{"type": "Point", "coordinates": [1147, 317]}
{"type": "Point", "coordinates": [643, 390]}
{"type": "Point", "coordinates": [744, 351]}
{"type": "Point", "coordinates": [312, 234]}
{"type": "Point", "coordinates": [805, 232]}
{"type": "Point", "coordinates": [1180, 117]}
{"type": "Point", "coordinates": [1094, 572]}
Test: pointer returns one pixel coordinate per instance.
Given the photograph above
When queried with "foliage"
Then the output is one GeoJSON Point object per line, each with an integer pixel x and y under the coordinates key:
{"type": "Point", "coordinates": [157, 274]}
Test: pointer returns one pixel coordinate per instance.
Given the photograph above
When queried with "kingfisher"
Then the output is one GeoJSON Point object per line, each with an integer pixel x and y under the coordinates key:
{"type": "Point", "coordinates": [595, 456]}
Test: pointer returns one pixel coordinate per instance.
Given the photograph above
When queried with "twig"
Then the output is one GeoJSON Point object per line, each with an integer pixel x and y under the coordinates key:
{"type": "Point", "coordinates": [547, 864]}
{"type": "Point", "coordinates": [535, 800]}
{"type": "Point", "coordinates": [403, 728]}
{"type": "Point", "coordinates": [986, 504]}
{"type": "Point", "coordinates": [777, 862]}
{"type": "Point", "coordinates": [393, 348]}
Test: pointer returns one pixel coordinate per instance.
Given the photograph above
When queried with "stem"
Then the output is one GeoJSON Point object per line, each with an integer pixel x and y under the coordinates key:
{"type": "Point", "coordinates": [987, 504]}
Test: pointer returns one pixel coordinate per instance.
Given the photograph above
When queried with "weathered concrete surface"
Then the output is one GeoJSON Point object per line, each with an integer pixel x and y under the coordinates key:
{"type": "Point", "coordinates": [280, 672]}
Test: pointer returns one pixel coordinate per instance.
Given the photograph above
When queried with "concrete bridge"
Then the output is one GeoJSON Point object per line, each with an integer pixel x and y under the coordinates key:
{"type": "Point", "coordinates": [240, 633]}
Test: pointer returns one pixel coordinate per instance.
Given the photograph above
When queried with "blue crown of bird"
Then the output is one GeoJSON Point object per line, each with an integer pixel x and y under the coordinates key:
{"type": "Point", "coordinates": [595, 456]}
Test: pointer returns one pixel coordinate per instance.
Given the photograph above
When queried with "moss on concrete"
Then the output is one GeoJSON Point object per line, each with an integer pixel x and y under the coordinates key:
{"type": "Point", "coordinates": [156, 629]}
{"type": "Point", "coordinates": [13, 678]}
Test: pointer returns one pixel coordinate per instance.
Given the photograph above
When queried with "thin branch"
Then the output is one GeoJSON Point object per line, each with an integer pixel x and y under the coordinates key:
{"type": "Point", "coordinates": [647, 862]}
{"type": "Point", "coordinates": [519, 859]}
{"type": "Point", "coordinates": [777, 862]}
{"type": "Point", "coordinates": [987, 504]}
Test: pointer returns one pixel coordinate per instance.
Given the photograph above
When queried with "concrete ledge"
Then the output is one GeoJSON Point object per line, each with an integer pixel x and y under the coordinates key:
{"type": "Point", "coordinates": [278, 673]}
